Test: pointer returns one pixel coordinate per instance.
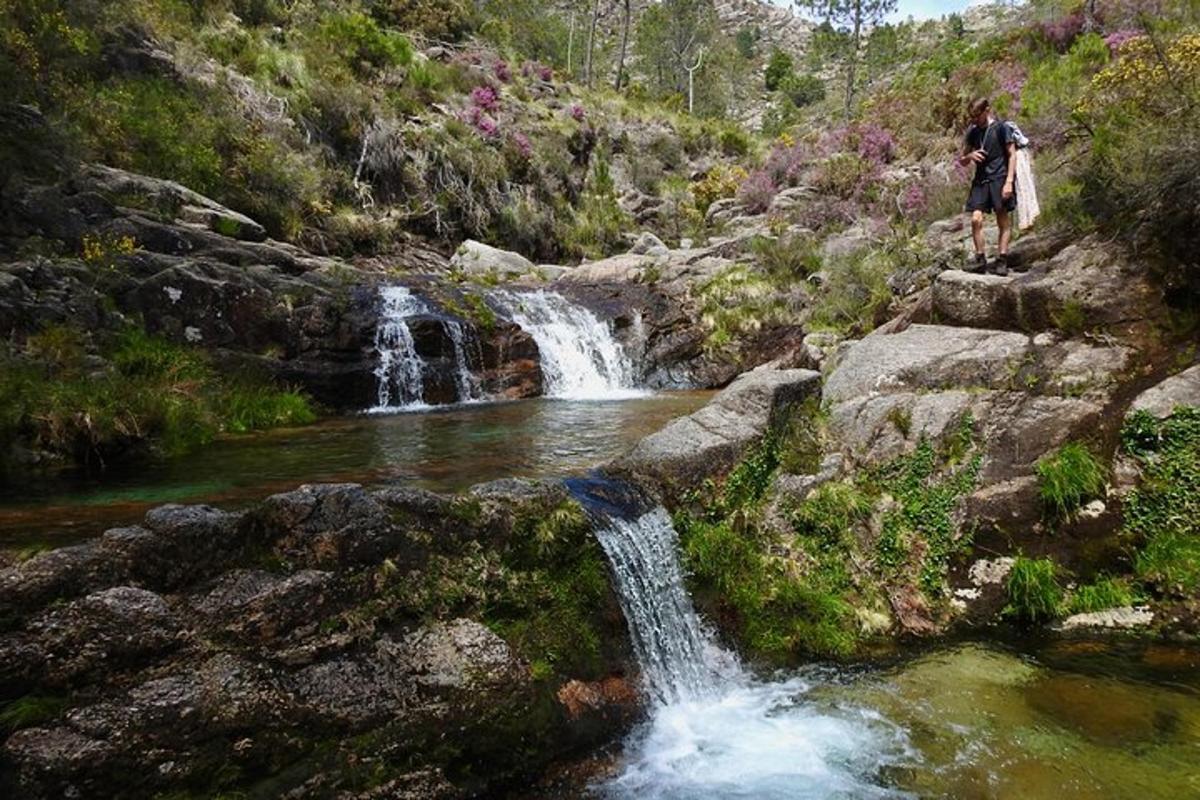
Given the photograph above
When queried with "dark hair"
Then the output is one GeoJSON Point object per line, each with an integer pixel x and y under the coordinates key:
{"type": "Point", "coordinates": [978, 106]}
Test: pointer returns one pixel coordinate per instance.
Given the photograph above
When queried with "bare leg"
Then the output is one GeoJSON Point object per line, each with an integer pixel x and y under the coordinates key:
{"type": "Point", "coordinates": [977, 231]}
{"type": "Point", "coordinates": [1004, 221]}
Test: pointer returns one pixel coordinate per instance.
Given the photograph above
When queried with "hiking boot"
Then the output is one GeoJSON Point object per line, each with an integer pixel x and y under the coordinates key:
{"type": "Point", "coordinates": [978, 265]}
{"type": "Point", "coordinates": [1000, 265]}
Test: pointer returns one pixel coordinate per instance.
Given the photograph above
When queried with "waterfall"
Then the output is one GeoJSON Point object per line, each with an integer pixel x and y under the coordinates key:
{"type": "Point", "coordinates": [400, 374]}
{"type": "Point", "coordinates": [675, 654]}
{"type": "Point", "coordinates": [469, 389]}
{"type": "Point", "coordinates": [714, 729]}
{"type": "Point", "coordinates": [581, 360]}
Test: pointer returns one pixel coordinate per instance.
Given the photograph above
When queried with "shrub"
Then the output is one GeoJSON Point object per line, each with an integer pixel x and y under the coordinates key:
{"type": "Point", "coordinates": [358, 42]}
{"type": "Point", "coordinates": [787, 258]}
{"type": "Point", "coordinates": [438, 19]}
{"type": "Point", "coordinates": [721, 182]}
{"type": "Point", "coordinates": [1160, 514]}
{"type": "Point", "coordinates": [1034, 593]}
{"type": "Point", "coordinates": [786, 162]}
{"type": "Point", "coordinates": [151, 125]}
{"type": "Point", "coordinates": [734, 142]}
{"type": "Point", "coordinates": [757, 192]}
{"type": "Point", "coordinates": [803, 90]}
{"type": "Point", "coordinates": [779, 68]}
{"type": "Point", "coordinates": [1069, 478]}
{"type": "Point", "coordinates": [848, 176]}
{"type": "Point", "coordinates": [855, 293]}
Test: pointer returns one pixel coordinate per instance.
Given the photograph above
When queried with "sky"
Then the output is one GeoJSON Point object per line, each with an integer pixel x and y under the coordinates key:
{"type": "Point", "coordinates": [919, 9]}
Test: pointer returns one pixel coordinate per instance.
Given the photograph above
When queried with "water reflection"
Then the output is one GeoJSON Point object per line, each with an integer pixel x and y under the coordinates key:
{"type": "Point", "coordinates": [442, 450]}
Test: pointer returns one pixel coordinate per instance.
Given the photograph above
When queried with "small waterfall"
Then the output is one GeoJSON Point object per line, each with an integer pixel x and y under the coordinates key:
{"type": "Point", "coordinates": [675, 654]}
{"type": "Point", "coordinates": [469, 388]}
{"type": "Point", "coordinates": [400, 374]}
{"type": "Point", "coordinates": [716, 730]}
{"type": "Point", "coordinates": [580, 358]}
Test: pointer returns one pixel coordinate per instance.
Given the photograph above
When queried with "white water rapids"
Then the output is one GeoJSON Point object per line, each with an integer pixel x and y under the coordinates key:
{"type": "Point", "coordinates": [715, 731]}
{"type": "Point", "coordinates": [581, 360]}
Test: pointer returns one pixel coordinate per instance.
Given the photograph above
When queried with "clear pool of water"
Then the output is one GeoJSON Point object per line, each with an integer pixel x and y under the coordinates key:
{"type": "Point", "coordinates": [442, 449]}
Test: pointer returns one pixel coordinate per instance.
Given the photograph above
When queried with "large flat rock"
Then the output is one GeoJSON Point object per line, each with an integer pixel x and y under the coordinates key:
{"type": "Point", "coordinates": [1088, 284]}
{"type": "Point", "coordinates": [927, 357]}
{"type": "Point", "coordinates": [710, 441]}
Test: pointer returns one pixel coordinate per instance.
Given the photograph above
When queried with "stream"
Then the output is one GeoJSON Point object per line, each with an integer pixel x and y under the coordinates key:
{"type": "Point", "coordinates": [1063, 720]}
{"type": "Point", "coordinates": [442, 449]}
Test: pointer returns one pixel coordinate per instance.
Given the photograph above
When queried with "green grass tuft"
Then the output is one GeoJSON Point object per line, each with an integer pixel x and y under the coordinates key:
{"type": "Point", "coordinates": [31, 710]}
{"type": "Point", "coordinates": [1069, 478]}
{"type": "Point", "coordinates": [1160, 515]}
{"type": "Point", "coordinates": [1102, 594]}
{"type": "Point", "coordinates": [1034, 593]}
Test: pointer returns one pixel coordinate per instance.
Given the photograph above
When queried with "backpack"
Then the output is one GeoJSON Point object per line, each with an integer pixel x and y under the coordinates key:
{"type": "Point", "coordinates": [1019, 139]}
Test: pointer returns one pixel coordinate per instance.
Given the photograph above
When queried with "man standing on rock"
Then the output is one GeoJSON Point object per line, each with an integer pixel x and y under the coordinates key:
{"type": "Point", "coordinates": [989, 145]}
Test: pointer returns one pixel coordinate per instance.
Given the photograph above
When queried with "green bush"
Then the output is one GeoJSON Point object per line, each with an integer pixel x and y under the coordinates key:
{"type": "Point", "coordinates": [855, 293]}
{"type": "Point", "coordinates": [438, 19]}
{"type": "Point", "coordinates": [1160, 515]}
{"type": "Point", "coordinates": [1069, 478]}
{"type": "Point", "coordinates": [803, 90]}
{"type": "Point", "coordinates": [1034, 593]}
{"type": "Point", "coordinates": [787, 258]}
{"type": "Point", "coordinates": [154, 126]}
{"type": "Point", "coordinates": [779, 69]}
{"type": "Point", "coordinates": [361, 44]}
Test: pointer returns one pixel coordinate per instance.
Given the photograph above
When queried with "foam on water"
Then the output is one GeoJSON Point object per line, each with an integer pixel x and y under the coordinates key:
{"type": "Point", "coordinates": [580, 358]}
{"type": "Point", "coordinates": [716, 731]}
{"type": "Point", "coordinates": [400, 373]}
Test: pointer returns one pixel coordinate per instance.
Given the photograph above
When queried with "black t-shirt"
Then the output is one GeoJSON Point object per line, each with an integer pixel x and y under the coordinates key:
{"type": "Point", "coordinates": [993, 139]}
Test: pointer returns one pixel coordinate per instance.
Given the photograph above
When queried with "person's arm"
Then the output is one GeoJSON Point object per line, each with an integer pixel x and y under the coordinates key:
{"type": "Point", "coordinates": [1012, 170]}
{"type": "Point", "coordinates": [970, 155]}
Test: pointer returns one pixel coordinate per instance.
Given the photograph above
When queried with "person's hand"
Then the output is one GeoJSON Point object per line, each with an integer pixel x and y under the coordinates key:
{"type": "Point", "coordinates": [1008, 190]}
{"type": "Point", "coordinates": [979, 156]}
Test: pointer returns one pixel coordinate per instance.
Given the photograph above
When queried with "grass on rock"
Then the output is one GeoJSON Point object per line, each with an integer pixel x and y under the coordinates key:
{"type": "Point", "coordinates": [1069, 478]}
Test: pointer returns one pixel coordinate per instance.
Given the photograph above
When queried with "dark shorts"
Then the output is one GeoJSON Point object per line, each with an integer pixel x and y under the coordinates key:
{"type": "Point", "coordinates": [988, 197]}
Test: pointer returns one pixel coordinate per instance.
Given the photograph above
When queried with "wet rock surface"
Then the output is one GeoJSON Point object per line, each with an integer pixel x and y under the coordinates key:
{"type": "Point", "coordinates": [326, 626]}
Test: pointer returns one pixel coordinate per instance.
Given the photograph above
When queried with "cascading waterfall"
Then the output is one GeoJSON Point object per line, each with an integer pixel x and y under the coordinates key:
{"type": "Point", "coordinates": [467, 383]}
{"type": "Point", "coordinates": [400, 374]}
{"type": "Point", "coordinates": [675, 654]}
{"type": "Point", "coordinates": [581, 360]}
{"type": "Point", "coordinates": [715, 731]}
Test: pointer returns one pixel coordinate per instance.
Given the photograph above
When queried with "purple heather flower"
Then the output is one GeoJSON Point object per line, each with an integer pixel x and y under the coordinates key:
{"type": "Point", "coordinates": [757, 192]}
{"type": "Point", "coordinates": [521, 142]}
{"type": "Point", "coordinates": [485, 97]}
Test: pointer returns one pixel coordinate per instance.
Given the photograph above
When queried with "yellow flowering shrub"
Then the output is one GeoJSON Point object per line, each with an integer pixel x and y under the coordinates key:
{"type": "Point", "coordinates": [1143, 79]}
{"type": "Point", "coordinates": [101, 250]}
{"type": "Point", "coordinates": [720, 182]}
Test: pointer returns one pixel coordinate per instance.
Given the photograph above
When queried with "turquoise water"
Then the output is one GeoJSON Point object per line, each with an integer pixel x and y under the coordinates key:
{"type": "Point", "coordinates": [442, 450]}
